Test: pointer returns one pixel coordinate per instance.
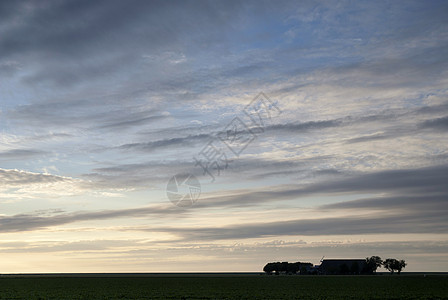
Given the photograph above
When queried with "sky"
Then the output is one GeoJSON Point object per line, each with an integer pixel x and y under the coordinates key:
{"type": "Point", "coordinates": [313, 128]}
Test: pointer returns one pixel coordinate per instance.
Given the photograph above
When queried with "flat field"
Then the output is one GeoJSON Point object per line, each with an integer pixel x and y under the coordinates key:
{"type": "Point", "coordinates": [222, 286]}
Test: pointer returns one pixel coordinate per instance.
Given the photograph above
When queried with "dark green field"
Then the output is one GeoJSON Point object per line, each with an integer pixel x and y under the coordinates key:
{"type": "Point", "coordinates": [189, 286]}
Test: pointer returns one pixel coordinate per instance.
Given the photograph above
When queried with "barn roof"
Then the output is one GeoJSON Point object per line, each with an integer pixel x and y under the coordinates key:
{"type": "Point", "coordinates": [328, 263]}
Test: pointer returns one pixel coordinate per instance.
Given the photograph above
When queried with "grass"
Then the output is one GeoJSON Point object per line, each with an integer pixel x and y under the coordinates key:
{"type": "Point", "coordinates": [177, 286]}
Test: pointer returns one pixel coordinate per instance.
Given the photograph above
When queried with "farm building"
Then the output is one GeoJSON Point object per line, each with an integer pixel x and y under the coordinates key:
{"type": "Point", "coordinates": [342, 266]}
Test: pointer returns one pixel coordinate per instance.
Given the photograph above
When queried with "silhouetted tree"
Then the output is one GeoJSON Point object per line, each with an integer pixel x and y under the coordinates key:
{"type": "Point", "coordinates": [393, 264]}
{"type": "Point", "coordinates": [293, 268]}
{"type": "Point", "coordinates": [275, 267]}
{"type": "Point", "coordinates": [285, 267]}
{"type": "Point", "coordinates": [269, 268]}
{"type": "Point", "coordinates": [401, 265]}
{"type": "Point", "coordinates": [373, 263]}
{"type": "Point", "coordinates": [305, 267]}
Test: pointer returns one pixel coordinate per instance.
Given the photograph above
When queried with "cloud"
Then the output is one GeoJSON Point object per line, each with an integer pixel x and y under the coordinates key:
{"type": "Point", "coordinates": [425, 182]}
{"type": "Point", "coordinates": [68, 38]}
{"type": "Point", "coordinates": [369, 138]}
{"type": "Point", "coordinates": [30, 222]}
{"type": "Point", "coordinates": [9, 68]}
{"type": "Point", "coordinates": [350, 225]}
{"type": "Point", "coordinates": [297, 127]}
{"type": "Point", "coordinates": [19, 184]}
{"type": "Point", "coordinates": [301, 127]}
{"type": "Point", "coordinates": [85, 115]}
{"type": "Point", "coordinates": [20, 154]}
{"type": "Point", "coordinates": [130, 122]}
{"type": "Point", "coordinates": [137, 176]}
{"type": "Point", "coordinates": [416, 204]}
{"type": "Point", "coordinates": [440, 124]}
{"type": "Point", "coordinates": [19, 178]}
{"type": "Point", "coordinates": [167, 143]}
{"type": "Point", "coordinates": [431, 200]}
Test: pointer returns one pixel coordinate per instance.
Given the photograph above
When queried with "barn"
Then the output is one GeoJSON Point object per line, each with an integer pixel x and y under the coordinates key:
{"type": "Point", "coordinates": [342, 266]}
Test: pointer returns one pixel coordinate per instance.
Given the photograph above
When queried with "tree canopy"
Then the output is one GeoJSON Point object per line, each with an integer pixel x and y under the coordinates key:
{"type": "Point", "coordinates": [393, 265]}
{"type": "Point", "coordinates": [286, 267]}
{"type": "Point", "coordinates": [373, 263]}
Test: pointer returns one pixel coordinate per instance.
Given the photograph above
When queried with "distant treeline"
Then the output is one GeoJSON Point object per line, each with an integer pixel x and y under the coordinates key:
{"type": "Point", "coordinates": [290, 268]}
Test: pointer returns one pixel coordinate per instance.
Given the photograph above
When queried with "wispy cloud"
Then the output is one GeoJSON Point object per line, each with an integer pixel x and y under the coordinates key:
{"type": "Point", "coordinates": [20, 154]}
